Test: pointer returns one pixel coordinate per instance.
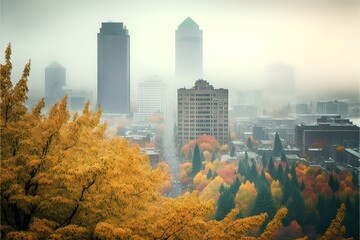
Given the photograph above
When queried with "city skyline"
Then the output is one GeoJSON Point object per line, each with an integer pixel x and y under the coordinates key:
{"type": "Point", "coordinates": [242, 39]}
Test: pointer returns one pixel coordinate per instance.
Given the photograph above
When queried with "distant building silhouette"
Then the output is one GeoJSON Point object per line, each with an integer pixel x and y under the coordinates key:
{"type": "Point", "coordinates": [203, 110]}
{"type": "Point", "coordinates": [113, 83]}
{"type": "Point", "coordinates": [151, 98]}
{"type": "Point", "coordinates": [281, 79]}
{"type": "Point", "coordinates": [188, 50]}
{"type": "Point", "coordinates": [329, 107]}
{"type": "Point", "coordinates": [55, 80]}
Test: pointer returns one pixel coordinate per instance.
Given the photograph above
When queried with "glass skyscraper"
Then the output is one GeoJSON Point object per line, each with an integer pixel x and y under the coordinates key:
{"type": "Point", "coordinates": [189, 51]}
{"type": "Point", "coordinates": [113, 83]}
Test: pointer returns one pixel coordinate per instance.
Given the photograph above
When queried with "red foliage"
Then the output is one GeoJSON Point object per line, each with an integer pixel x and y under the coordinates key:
{"type": "Point", "coordinates": [228, 172]}
{"type": "Point", "coordinates": [292, 231]}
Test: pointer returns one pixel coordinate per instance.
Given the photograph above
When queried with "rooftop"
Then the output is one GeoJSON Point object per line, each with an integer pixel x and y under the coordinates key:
{"type": "Point", "coordinates": [188, 22]}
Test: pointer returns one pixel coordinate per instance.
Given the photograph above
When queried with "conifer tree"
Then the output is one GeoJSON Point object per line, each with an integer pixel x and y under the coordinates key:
{"type": "Point", "coordinates": [209, 174]}
{"type": "Point", "coordinates": [225, 204]}
{"type": "Point", "coordinates": [232, 151]}
{"type": "Point", "coordinates": [271, 169]}
{"type": "Point", "coordinates": [250, 145]}
{"type": "Point", "coordinates": [280, 173]}
{"type": "Point", "coordinates": [302, 186]}
{"type": "Point", "coordinates": [264, 160]}
{"type": "Point", "coordinates": [196, 161]}
{"type": "Point", "coordinates": [294, 181]}
{"type": "Point", "coordinates": [234, 187]}
{"type": "Point", "coordinates": [277, 145]}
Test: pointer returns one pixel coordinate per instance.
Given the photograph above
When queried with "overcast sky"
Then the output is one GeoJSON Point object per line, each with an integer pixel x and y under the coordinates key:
{"type": "Point", "coordinates": [320, 38]}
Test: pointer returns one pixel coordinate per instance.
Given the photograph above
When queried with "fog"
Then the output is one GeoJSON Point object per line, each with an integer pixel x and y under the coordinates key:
{"type": "Point", "coordinates": [241, 38]}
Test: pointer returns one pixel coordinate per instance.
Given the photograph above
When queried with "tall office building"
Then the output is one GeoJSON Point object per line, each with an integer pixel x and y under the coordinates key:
{"type": "Point", "coordinates": [151, 98]}
{"type": "Point", "coordinates": [188, 50]}
{"type": "Point", "coordinates": [203, 110]}
{"type": "Point", "coordinates": [55, 80]}
{"type": "Point", "coordinates": [113, 83]}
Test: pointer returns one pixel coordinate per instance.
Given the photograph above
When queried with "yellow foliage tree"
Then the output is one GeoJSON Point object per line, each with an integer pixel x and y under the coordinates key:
{"type": "Point", "coordinates": [245, 197]}
{"type": "Point", "coordinates": [336, 228]}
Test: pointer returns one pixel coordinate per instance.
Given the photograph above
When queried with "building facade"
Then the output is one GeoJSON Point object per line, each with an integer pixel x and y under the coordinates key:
{"type": "Point", "coordinates": [326, 134]}
{"type": "Point", "coordinates": [151, 98]}
{"type": "Point", "coordinates": [202, 110]}
{"type": "Point", "coordinates": [188, 50]}
{"type": "Point", "coordinates": [55, 81]}
{"type": "Point", "coordinates": [113, 80]}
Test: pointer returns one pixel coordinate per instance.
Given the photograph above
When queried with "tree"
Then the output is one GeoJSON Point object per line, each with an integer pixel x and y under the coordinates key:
{"type": "Point", "coordinates": [280, 173]}
{"type": "Point", "coordinates": [225, 204]}
{"type": "Point", "coordinates": [283, 157]}
{"type": "Point", "coordinates": [232, 151]}
{"type": "Point", "coordinates": [249, 144]}
{"type": "Point", "coordinates": [264, 160]}
{"type": "Point", "coordinates": [271, 169]}
{"type": "Point", "coordinates": [336, 229]}
{"type": "Point", "coordinates": [209, 174]}
{"type": "Point", "coordinates": [277, 145]}
{"type": "Point", "coordinates": [196, 161]}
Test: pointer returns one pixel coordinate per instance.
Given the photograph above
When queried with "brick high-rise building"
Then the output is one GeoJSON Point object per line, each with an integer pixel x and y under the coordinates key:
{"type": "Point", "coordinates": [202, 110]}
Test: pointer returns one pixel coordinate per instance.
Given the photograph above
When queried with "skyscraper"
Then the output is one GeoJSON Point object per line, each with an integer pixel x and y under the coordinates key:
{"type": "Point", "coordinates": [55, 80]}
{"type": "Point", "coordinates": [203, 110]}
{"type": "Point", "coordinates": [151, 98]}
{"type": "Point", "coordinates": [113, 83]}
{"type": "Point", "coordinates": [189, 50]}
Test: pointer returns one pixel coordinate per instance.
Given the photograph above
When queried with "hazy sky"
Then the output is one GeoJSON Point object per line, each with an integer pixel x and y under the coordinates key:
{"type": "Point", "coordinates": [320, 38]}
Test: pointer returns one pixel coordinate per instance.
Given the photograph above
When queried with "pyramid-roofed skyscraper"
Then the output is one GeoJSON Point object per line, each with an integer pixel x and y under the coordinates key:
{"type": "Point", "coordinates": [188, 51]}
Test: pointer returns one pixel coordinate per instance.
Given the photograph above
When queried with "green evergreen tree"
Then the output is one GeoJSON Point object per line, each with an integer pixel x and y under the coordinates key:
{"type": "Point", "coordinates": [232, 151]}
{"type": "Point", "coordinates": [294, 181]}
{"type": "Point", "coordinates": [234, 188]}
{"type": "Point", "coordinates": [351, 221]}
{"type": "Point", "coordinates": [283, 157]}
{"type": "Point", "coordinates": [196, 161]}
{"type": "Point", "coordinates": [355, 178]}
{"type": "Point", "coordinates": [215, 174]}
{"type": "Point", "coordinates": [209, 174]}
{"type": "Point", "coordinates": [280, 173]}
{"type": "Point", "coordinates": [253, 171]}
{"type": "Point", "coordinates": [277, 145]}
{"type": "Point", "coordinates": [331, 182]}
{"type": "Point", "coordinates": [263, 203]}
{"type": "Point", "coordinates": [246, 156]}
{"type": "Point", "coordinates": [296, 207]}
{"type": "Point", "coordinates": [225, 204]}
{"type": "Point", "coordinates": [271, 169]}
{"type": "Point", "coordinates": [286, 189]}
{"type": "Point", "coordinates": [302, 186]}
{"type": "Point", "coordinates": [264, 160]}
{"type": "Point", "coordinates": [250, 145]}
{"type": "Point", "coordinates": [222, 188]}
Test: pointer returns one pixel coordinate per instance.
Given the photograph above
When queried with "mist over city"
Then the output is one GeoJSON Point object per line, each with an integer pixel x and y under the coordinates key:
{"type": "Point", "coordinates": [171, 119]}
{"type": "Point", "coordinates": [240, 40]}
